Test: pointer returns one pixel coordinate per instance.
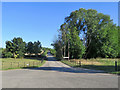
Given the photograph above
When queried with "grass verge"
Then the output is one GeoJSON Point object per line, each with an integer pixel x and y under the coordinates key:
{"type": "Point", "coordinates": [10, 63]}
{"type": "Point", "coordinates": [107, 65]}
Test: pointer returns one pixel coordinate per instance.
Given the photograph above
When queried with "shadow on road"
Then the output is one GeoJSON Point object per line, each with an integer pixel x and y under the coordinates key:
{"type": "Point", "coordinates": [65, 69]}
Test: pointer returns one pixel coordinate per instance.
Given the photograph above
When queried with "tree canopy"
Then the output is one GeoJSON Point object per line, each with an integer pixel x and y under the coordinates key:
{"type": "Point", "coordinates": [87, 34]}
{"type": "Point", "coordinates": [17, 48]}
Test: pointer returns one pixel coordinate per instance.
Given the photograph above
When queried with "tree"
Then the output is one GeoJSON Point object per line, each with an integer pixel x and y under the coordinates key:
{"type": "Point", "coordinates": [58, 47]}
{"type": "Point", "coordinates": [89, 24]}
{"type": "Point", "coordinates": [4, 53]}
{"type": "Point", "coordinates": [16, 47]}
{"type": "Point", "coordinates": [118, 41]}
{"type": "Point", "coordinates": [1, 52]}
{"type": "Point", "coordinates": [77, 48]}
{"type": "Point", "coordinates": [110, 41]}
{"type": "Point", "coordinates": [8, 54]}
{"type": "Point", "coordinates": [37, 47]}
{"type": "Point", "coordinates": [90, 32]}
{"type": "Point", "coordinates": [64, 32]}
{"type": "Point", "coordinates": [30, 48]}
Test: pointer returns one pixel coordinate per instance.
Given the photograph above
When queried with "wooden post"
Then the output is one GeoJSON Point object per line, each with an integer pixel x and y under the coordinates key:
{"type": "Point", "coordinates": [29, 64]}
{"type": "Point", "coordinates": [80, 63]}
{"type": "Point", "coordinates": [24, 64]}
{"type": "Point", "coordinates": [116, 66]}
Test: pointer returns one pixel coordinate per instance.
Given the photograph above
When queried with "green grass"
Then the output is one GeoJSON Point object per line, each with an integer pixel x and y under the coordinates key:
{"type": "Point", "coordinates": [11, 63]}
{"type": "Point", "coordinates": [107, 65]}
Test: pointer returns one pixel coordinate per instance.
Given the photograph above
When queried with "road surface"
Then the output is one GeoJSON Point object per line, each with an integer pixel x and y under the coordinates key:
{"type": "Point", "coordinates": [54, 74]}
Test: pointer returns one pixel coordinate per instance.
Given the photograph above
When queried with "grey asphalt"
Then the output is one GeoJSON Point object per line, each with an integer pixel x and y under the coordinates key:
{"type": "Point", "coordinates": [54, 74]}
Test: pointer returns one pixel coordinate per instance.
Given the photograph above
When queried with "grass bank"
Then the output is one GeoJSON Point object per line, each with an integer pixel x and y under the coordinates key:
{"type": "Point", "coordinates": [11, 63]}
{"type": "Point", "coordinates": [107, 65]}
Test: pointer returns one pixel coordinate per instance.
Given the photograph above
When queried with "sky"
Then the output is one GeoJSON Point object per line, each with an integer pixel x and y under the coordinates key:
{"type": "Point", "coordinates": [34, 21]}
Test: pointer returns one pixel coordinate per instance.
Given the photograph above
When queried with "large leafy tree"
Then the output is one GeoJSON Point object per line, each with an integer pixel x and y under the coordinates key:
{"type": "Point", "coordinates": [91, 33]}
{"type": "Point", "coordinates": [90, 24]}
{"type": "Point", "coordinates": [16, 47]}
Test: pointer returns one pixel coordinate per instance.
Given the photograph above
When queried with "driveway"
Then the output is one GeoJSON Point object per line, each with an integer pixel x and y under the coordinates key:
{"type": "Point", "coordinates": [54, 74]}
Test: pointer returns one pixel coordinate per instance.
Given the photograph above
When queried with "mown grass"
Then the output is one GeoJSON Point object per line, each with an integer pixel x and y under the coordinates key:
{"type": "Point", "coordinates": [11, 63]}
{"type": "Point", "coordinates": [107, 65]}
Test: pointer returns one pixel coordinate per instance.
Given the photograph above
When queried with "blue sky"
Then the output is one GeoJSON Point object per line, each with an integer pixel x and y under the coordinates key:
{"type": "Point", "coordinates": [40, 20]}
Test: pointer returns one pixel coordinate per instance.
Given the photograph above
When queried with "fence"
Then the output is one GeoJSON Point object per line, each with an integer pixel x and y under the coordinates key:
{"type": "Point", "coordinates": [7, 65]}
{"type": "Point", "coordinates": [95, 64]}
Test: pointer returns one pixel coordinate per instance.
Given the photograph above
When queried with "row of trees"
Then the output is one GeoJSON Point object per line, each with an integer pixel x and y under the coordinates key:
{"type": "Point", "coordinates": [87, 34]}
{"type": "Point", "coordinates": [52, 51]}
{"type": "Point", "coordinates": [17, 48]}
{"type": "Point", "coordinates": [33, 48]}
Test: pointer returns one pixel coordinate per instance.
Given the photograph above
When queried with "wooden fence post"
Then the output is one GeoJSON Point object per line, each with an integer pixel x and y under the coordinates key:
{"type": "Point", "coordinates": [29, 64]}
{"type": "Point", "coordinates": [116, 66]}
{"type": "Point", "coordinates": [24, 64]}
{"type": "Point", "coordinates": [80, 63]}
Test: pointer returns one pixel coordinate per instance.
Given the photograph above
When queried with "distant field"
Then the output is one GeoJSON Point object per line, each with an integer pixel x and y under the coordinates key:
{"type": "Point", "coordinates": [107, 65]}
{"type": "Point", "coordinates": [11, 63]}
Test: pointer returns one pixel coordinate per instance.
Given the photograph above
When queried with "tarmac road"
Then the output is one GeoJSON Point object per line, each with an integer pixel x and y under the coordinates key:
{"type": "Point", "coordinates": [54, 74]}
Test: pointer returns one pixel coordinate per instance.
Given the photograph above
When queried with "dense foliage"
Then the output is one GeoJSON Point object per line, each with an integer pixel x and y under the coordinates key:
{"type": "Point", "coordinates": [33, 48]}
{"type": "Point", "coordinates": [52, 51]}
{"type": "Point", "coordinates": [87, 34]}
{"type": "Point", "coordinates": [17, 48]}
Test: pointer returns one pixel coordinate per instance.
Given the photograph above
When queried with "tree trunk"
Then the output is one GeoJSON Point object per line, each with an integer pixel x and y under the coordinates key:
{"type": "Point", "coordinates": [64, 50]}
{"type": "Point", "coordinates": [68, 49]}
